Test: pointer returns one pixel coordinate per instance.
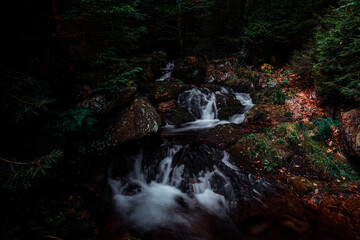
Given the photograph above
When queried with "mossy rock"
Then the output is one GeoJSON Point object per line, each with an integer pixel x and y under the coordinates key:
{"type": "Point", "coordinates": [168, 90]}
{"type": "Point", "coordinates": [102, 103]}
{"type": "Point", "coordinates": [133, 122]}
{"type": "Point", "coordinates": [180, 116]}
{"type": "Point", "coordinates": [351, 131]}
{"type": "Point", "coordinates": [301, 184]}
{"type": "Point", "coordinates": [223, 136]}
{"type": "Point", "coordinates": [268, 113]}
{"type": "Point", "coordinates": [226, 112]}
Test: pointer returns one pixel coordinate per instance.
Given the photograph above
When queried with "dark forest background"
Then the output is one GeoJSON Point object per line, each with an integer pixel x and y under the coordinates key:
{"type": "Point", "coordinates": [54, 52]}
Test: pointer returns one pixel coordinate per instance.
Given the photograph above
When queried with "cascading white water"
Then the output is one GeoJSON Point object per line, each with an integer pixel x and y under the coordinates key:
{"type": "Point", "coordinates": [166, 71]}
{"type": "Point", "coordinates": [202, 105]}
{"type": "Point", "coordinates": [173, 195]}
{"type": "Point", "coordinates": [159, 202]}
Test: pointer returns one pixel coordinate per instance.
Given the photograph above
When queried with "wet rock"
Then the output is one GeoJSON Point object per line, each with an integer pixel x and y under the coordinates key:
{"type": "Point", "coordinates": [133, 122]}
{"type": "Point", "coordinates": [268, 113]}
{"type": "Point", "coordinates": [166, 107]}
{"type": "Point", "coordinates": [103, 103]}
{"type": "Point", "coordinates": [158, 59]}
{"type": "Point", "coordinates": [350, 122]}
{"type": "Point", "coordinates": [222, 136]}
{"type": "Point", "coordinates": [191, 60]}
{"type": "Point", "coordinates": [240, 151]}
{"type": "Point", "coordinates": [150, 64]}
{"type": "Point", "coordinates": [226, 112]}
{"type": "Point", "coordinates": [147, 73]}
{"type": "Point", "coordinates": [168, 90]}
{"type": "Point", "coordinates": [180, 115]}
{"type": "Point", "coordinates": [220, 74]}
{"type": "Point", "coordinates": [190, 69]}
{"type": "Point", "coordinates": [300, 184]}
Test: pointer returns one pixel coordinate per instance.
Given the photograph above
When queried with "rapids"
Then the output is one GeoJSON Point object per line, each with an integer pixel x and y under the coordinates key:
{"type": "Point", "coordinates": [202, 105]}
{"type": "Point", "coordinates": [172, 187]}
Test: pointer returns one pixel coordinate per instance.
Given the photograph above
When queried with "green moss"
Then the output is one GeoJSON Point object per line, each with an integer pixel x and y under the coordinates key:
{"type": "Point", "coordinates": [227, 111]}
{"type": "Point", "coordinates": [180, 116]}
{"type": "Point", "coordinates": [277, 146]}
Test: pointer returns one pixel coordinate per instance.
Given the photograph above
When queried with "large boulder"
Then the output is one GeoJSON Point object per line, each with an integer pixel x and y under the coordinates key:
{"type": "Point", "coordinates": [137, 120]}
{"type": "Point", "coordinates": [351, 128]}
{"type": "Point", "coordinates": [220, 72]}
{"type": "Point", "coordinates": [102, 103]}
{"type": "Point", "coordinates": [168, 90]}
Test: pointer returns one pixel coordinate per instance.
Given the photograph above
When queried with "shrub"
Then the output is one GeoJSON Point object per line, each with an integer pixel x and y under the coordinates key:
{"type": "Point", "coordinates": [267, 68]}
{"type": "Point", "coordinates": [275, 95]}
{"type": "Point", "coordinates": [115, 74]}
{"type": "Point", "coordinates": [275, 28]}
{"type": "Point", "coordinates": [21, 175]}
{"type": "Point", "coordinates": [323, 127]}
{"type": "Point", "coordinates": [338, 52]}
{"type": "Point", "coordinates": [74, 121]}
{"type": "Point", "coordinates": [302, 63]}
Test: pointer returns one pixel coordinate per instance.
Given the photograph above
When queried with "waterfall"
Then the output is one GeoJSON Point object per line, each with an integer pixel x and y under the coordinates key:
{"type": "Point", "coordinates": [166, 71]}
{"type": "Point", "coordinates": [160, 201]}
{"type": "Point", "coordinates": [172, 187]}
{"type": "Point", "coordinates": [203, 107]}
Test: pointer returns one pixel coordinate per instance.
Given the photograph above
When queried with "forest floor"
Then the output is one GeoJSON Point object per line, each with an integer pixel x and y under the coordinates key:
{"type": "Point", "coordinates": [300, 147]}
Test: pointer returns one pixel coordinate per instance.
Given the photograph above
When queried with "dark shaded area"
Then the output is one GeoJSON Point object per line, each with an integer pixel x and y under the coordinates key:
{"type": "Point", "coordinates": [58, 54]}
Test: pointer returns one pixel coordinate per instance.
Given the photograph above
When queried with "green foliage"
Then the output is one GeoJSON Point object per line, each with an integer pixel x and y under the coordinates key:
{"type": "Point", "coordinates": [22, 94]}
{"type": "Point", "coordinates": [115, 73]}
{"type": "Point", "coordinates": [21, 175]}
{"type": "Point", "coordinates": [275, 95]}
{"type": "Point", "coordinates": [276, 27]}
{"type": "Point", "coordinates": [302, 63]}
{"type": "Point", "coordinates": [239, 59]}
{"type": "Point", "coordinates": [198, 26]}
{"type": "Point", "coordinates": [275, 148]}
{"type": "Point", "coordinates": [110, 20]}
{"type": "Point", "coordinates": [71, 120]}
{"type": "Point", "coordinates": [338, 52]}
{"type": "Point", "coordinates": [263, 148]}
{"type": "Point", "coordinates": [311, 143]}
{"type": "Point", "coordinates": [323, 128]}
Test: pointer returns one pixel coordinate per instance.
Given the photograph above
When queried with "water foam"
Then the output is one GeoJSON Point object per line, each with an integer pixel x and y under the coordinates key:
{"type": "Point", "coordinates": [166, 71]}
{"type": "Point", "coordinates": [202, 105]}
{"type": "Point", "coordinates": [148, 204]}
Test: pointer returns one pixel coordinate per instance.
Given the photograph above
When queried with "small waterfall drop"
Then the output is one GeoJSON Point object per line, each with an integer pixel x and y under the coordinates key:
{"type": "Point", "coordinates": [203, 107]}
{"type": "Point", "coordinates": [149, 202]}
{"type": "Point", "coordinates": [173, 188]}
{"type": "Point", "coordinates": [185, 187]}
{"type": "Point", "coordinates": [166, 71]}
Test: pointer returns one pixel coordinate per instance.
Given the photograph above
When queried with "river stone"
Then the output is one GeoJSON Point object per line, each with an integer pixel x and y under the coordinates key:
{"type": "Point", "coordinates": [166, 107]}
{"type": "Point", "coordinates": [168, 90]}
{"type": "Point", "coordinates": [137, 120]}
{"type": "Point", "coordinates": [224, 75]}
{"type": "Point", "coordinates": [351, 128]}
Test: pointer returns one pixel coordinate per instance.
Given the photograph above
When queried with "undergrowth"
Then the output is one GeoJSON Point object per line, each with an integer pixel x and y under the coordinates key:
{"type": "Point", "coordinates": [314, 143]}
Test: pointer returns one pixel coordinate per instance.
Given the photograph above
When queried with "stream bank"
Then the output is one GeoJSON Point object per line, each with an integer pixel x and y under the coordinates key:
{"type": "Point", "coordinates": [314, 191]}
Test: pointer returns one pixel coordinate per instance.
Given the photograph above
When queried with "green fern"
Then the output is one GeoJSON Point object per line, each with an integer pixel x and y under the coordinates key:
{"type": "Point", "coordinates": [21, 175]}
